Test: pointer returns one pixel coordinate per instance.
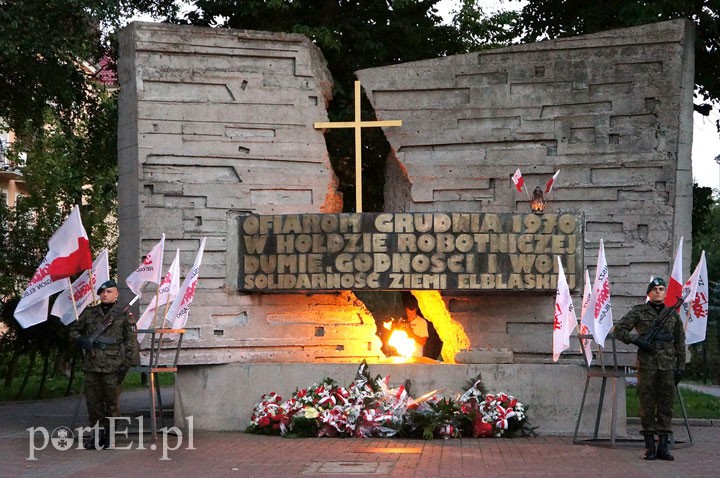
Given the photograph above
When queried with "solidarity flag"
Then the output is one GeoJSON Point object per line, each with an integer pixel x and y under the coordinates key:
{"type": "Point", "coordinates": [551, 182]}
{"type": "Point", "coordinates": [150, 270]}
{"type": "Point", "coordinates": [565, 320]}
{"type": "Point", "coordinates": [518, 180]}
{"type": "Point", "coordinates": [68, 254]}
{"type": "Point", "coordinates": [675, 285]}
{"type": "Point", "coordinates": [180, 309]}
{"type": "Point", "coordinates": [82, 289]}
{"type": "Point", "coordinates": [599, 310]}
{"type": "Point", "coordinates": [586, 326]}
{"type": "Point", "coordinates": [166, 293]}
{"type": "Point", "coordinates": [694, 311]}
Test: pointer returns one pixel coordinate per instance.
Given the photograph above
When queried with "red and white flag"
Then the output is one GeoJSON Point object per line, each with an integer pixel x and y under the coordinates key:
{"type": "Point", "coordinates": [551, 182]}
{"type": "Point", "coordinates": [68, 253]}
{"type": "Point", "coordinates": [599, 309]}
{"type": "Point", "coordinates": [71, 247]}
{"type": "Point", "coordinates": [150, 270]}
{"type": "Point", "coordinates": [586, 326]}
{"type": "Point", "coordinates": [675, 284]}
{"type": "Point", "coordinates": [180, 309]}
{"type": "Point", "coordinates": [565, 320]}
{"type": "Point", "coordinates": [518, 180]}
{"type": "Point", "coordinates": [166, 293]}
{"type": "Point", "coordinates": [82, 289]}
{"type": "Point", "coordinates": [694, 311]}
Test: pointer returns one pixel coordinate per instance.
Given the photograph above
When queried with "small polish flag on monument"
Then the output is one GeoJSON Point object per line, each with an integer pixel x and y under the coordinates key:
{"type": "Point", "coordinates": [68, 254]}
{"type": "Point", "coordinates": [150, 270]}
{"type": "Point", "coordinates": [675, 284]}
{"type": "Point", "coordinates": [518, 180]}
{"type": "Point", "coordinates": [551, 182]}
{"type": "Point", "coordinates": [694, 311]}
{"type": "Point", "coordinates": [565, 320]}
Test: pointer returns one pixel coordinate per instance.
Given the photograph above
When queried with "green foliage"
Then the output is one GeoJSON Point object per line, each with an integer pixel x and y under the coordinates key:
{"type": "Point", "coordinates": [697, 404]}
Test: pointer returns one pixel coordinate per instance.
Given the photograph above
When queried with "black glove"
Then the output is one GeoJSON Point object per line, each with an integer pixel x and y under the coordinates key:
{"type": "Point", "coordinates": [678, 376]}
{"type": "Point", "coordinates": [84, 343]}
{"type": "Point", "coordinates": [122, 371]}
{"type": "Point", "coordinates": [644, 345]}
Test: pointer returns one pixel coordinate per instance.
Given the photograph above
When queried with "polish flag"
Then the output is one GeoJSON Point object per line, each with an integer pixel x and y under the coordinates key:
{"type": "Point", "coordinates": [82, 289]}
{"type": "Point", "coordinates": [518, 180]}
{"type": "Point", "coordinates": [180, 309]}
{"type": "Point", "coordinates": [150, 270]}
{"type": "Point", "coordinates": [694, 311]}
{"type": "Point", "coordinates": [586, 326]}
{"type": "Point", "coordinates": [166, 293]}
{"type": "Point", "coordinates": [62, 258]}
{"type": "Point", "coordinates": [675, 285]}
{"type": "Point", "coordinates": [551, 182]}
{"type": "Point", "coordinates": [565, 320]}
{"type": "Point", "coordinates": [70, 247]}
{"type": "Point", "coordinates": [599, 309]}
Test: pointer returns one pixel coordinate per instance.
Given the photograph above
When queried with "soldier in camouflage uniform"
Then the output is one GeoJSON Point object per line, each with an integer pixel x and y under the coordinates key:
{"type": "Point", "coordinates": [106, 360]}
{"type": "Point", "coordinates": [660, 366]}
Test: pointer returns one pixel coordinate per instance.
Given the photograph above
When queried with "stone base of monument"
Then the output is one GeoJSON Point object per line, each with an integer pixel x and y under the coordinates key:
{"type": "Point", "coordinates": [221, 397]}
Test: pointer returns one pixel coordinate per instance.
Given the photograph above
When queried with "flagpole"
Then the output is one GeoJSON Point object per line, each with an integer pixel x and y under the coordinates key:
{"type": "Point", "coordinates": [157, 301]}
{"type": "Point", "coordinates": [92, 286]}
{"type": "Point", "coordinates": [72, 296]}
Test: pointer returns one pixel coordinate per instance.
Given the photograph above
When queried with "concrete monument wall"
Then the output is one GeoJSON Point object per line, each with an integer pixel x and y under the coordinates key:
{"type": "Point", "coordinates": [612, 111]}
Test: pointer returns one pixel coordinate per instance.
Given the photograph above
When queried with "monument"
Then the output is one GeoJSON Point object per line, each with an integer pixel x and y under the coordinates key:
{"type": "Point", "coordinates": [216, 139]}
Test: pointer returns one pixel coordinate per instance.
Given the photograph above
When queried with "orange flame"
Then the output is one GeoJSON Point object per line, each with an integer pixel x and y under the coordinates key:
{"type": "Point", "coordinates": [405, 346]}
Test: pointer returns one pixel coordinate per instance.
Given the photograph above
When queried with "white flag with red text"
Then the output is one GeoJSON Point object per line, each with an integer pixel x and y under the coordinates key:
{"type": "Point", "coordinates": [565, 320]}
{"type": "Point", "coordinates": [150, 270]}
{"type": "Point", "coordinates": [82, 289]}
{"type": "Point", "coordinates": [599, 310]}
{"type": "Point", "coordinates": [166, 293]}
{"type": "Point", "coordinates": [586, 326]}
{"type": "Point", "coordinates": [551, 182]}
{"type": "Point", "coordinates": [694, 311]}
{"type": "Point", "coordinates": [518, 180]}
{"type": "Point", "coordinates": [675, 284]}
{"type": "Point", "coordinates": [180, 309]}
{"type": "Point", "coordinates": [68, 253]}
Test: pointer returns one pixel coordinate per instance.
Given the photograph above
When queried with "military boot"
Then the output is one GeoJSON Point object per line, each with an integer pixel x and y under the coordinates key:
{"type": "Point", "coordinates": [649, 447]}
{"type": "Point", "coordinates": [662, 449]}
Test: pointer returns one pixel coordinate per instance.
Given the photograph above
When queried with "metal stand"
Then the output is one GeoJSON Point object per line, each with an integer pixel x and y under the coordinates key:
{"type": "Point", "coordinates": [160, 363]}
{"type": "Point", "coordinates": [614, 372]}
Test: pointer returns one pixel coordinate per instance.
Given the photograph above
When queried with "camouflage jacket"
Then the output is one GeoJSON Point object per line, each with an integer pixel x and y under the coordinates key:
{"type": "Point", "coordinates": [670, 346]}
{"type": "Point", "coordinates": [115, 348]}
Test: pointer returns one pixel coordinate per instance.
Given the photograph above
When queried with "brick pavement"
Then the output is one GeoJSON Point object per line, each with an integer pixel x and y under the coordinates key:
{"type": "Point", "coordinates": [243, 455]}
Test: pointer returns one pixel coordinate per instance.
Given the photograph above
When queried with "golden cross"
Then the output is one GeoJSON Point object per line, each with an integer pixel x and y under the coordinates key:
{"type": "Point", "coordinates": [358, 124]}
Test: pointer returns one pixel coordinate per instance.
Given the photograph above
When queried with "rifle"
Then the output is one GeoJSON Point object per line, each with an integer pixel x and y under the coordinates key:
{"type": "Point", "coordinates": [114, 313]}
{"type": "Point", "coordinates": [657, 327]}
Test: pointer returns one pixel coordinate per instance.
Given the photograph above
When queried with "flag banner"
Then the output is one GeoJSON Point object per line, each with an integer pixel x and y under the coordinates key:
{"type": "Point", "coordinates": [599, 309]}
{"type": "Point", "coordinates": [82, 290]}
{"type": "Point", "coordinates": [33, 306]}
{"type": "Point", "coordinates": [565, 320]}
{"type": "Point", "coordinates": [150, 270]}
{"type": "Point", "coordinates": [586, 326]}
{"type": "Point", "coordinates": [694, 311]}
{"type": "Point", "coordinates": [675, 284]}
{"type": "Point", "coordinates": [69, 248]}
{"type": "Point", "coordinates": [551, 182]}
{"type": "Point", "coordinates": [180, 309]}
{"type": "Point", "coordinates": [518, 180]}
{"type": "Point", "coordinates": [166, 293]}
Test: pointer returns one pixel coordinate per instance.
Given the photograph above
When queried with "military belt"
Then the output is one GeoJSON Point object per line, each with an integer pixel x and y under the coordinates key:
{"type": "Point", "coordinates": [103, 343]}
{"type": "Point", "coordinates": [664, 337]}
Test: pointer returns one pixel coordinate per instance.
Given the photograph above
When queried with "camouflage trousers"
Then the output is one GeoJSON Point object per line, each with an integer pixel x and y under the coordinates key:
{"type": "Point", "coordinates": [656, 394]}
{"type": "Point", "coordinates": [102, 394]}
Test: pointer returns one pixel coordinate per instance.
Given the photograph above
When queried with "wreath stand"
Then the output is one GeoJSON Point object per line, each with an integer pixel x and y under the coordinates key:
{"type": "Point", "coordinates": [614, 372]}
{"type": "Point", "coordinates": [163, 359]}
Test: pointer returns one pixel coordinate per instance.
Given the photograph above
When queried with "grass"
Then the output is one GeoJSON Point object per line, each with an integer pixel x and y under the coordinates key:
{"type": "Point", "coordinates": [55, 386]}
{"type": "Point", "coordinates": [697, 404]}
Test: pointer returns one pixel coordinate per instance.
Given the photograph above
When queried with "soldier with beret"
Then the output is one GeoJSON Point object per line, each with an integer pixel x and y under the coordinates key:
{"type": "Point", "coordinates": [660, 366]}
{"type": "Point", "coordinates": [106, 359]}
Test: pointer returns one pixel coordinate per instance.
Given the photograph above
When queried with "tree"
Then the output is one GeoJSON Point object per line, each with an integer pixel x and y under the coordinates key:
{"type": "Point", "coordinates": [352, 35]}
